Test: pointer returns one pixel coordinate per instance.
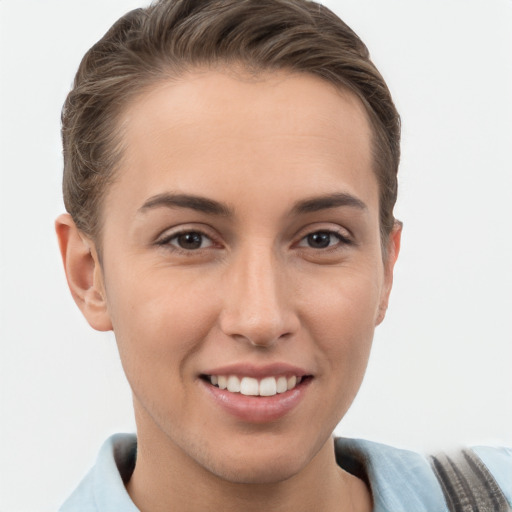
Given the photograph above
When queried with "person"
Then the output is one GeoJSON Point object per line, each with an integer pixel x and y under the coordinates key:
{"type": "Point", "coordinates": [230, 174]}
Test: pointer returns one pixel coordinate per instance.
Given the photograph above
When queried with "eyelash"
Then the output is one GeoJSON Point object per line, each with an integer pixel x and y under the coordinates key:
{"type": "Point", "coordinates": [167, 241]}
{"type": "Point", "coordinates": [342, 240]}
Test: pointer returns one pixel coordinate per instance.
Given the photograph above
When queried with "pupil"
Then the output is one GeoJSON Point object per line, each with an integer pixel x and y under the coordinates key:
{"type": "Point", "coordinates": [190, 240]}
{"type": "Point", "coordinates": [319, 240]}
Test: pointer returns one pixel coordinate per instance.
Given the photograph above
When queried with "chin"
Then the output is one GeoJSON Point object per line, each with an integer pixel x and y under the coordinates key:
{"type": "Point", "coordinates": [264, 460]}
{"type": "Point", "coordinates": [256, 471]}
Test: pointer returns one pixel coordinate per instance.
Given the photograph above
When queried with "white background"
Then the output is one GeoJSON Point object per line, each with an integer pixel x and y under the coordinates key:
{"type": "Point", "coordinates": [440, 372]}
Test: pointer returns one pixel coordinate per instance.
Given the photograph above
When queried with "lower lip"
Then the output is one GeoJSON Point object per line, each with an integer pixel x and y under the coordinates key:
{"type": "Point", "coordinates": [258, 409]}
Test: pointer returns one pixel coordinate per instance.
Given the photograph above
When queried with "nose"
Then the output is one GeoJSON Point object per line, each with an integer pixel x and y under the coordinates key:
{"type": "Point", "coordinates": [258, 305]}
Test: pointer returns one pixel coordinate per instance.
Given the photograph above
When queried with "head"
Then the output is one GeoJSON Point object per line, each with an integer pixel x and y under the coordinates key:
{"type": "Point", "coordinates": [230, 179]}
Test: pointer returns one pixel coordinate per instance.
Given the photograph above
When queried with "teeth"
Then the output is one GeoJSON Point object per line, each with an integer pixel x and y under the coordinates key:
{"type": "Point", "coordinates": [249, 386]}
{"type": "Point", "coordinates": [282, 385]}
{"type": "Point", "coordinates": [233, 384]}
{"type": "Point", "coordinates": [222, 382]}
{"type": "Point", "coordinates": [268, 386]}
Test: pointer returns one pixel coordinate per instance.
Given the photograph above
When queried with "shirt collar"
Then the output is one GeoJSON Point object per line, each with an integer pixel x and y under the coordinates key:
{"type": "Point", "coordinates": [400, 480]}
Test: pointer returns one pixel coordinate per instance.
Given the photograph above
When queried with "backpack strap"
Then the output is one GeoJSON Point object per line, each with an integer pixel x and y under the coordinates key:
{"type": "Point", "coordinates": [467, 484]}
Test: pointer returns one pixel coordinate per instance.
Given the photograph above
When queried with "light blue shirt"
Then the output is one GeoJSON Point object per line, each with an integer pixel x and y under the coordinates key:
{"type": "Point", "coordinates": [400, 480]}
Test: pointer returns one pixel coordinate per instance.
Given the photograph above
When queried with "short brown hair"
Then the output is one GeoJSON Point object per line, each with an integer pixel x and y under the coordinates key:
{"type": "Point", "coordinates": [170, 37]}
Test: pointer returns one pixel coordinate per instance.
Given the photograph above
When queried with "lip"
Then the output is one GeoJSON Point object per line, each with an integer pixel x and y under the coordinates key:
{"type": "Point", "coordinates": [258, 372]}
{"type": "Point", "coordinates": [258, 409]}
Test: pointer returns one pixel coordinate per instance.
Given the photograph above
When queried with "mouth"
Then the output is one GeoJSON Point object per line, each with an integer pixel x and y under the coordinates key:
{"type": "Point", "coordinates": [256, 387]}
{"type": "Point", "coordinates": [258, 395]}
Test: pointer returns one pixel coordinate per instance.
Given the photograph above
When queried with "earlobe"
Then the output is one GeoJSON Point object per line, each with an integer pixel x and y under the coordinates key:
{"type": "Point", "coordinates": [392, 251]}
{"type": "Point", "coordinates": [83, 273]}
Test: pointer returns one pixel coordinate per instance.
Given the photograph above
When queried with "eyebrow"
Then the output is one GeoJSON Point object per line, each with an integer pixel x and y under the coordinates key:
{"type": "Point", "coordinates": [209, 206]}
{"type": "Point", "coordinates": [198, 203]}
{"type": "Point", "coordinates": [337, 200]}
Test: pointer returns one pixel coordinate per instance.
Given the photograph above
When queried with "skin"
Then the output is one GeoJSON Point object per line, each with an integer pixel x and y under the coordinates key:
{"type": "Point", "coordinates": [257, 290]}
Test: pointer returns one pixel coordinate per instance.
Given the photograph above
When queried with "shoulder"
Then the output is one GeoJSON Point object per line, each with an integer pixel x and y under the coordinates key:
{"type": "Point", "coordinates": [402, 480]}
{"type": "Point", "coordinates": [103, 487]}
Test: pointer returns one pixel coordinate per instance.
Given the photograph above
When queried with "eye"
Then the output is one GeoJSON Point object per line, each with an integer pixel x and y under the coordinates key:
{"type": "Point", "coordinates": [323, 240]}
{"type": "Point", "coordinates": [188, 241]}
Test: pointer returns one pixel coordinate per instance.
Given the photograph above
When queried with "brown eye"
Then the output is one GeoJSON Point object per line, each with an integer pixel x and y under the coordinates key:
{"type": "Point", "coordinates": [190, 241]}
{"type": "Point", "coordinates": [320, 239]}
{"type": "Point", "coordinates": [324, 239]}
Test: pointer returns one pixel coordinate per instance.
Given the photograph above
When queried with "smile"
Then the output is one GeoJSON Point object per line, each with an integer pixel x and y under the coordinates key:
{"type": "Point", "coordinates": [257, 394]}
{"type": "Point", "coordinates": [250, 386]}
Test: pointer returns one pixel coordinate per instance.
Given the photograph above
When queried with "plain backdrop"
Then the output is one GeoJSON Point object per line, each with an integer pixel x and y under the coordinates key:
{"type": "Point", "coordinates": [440, 373]}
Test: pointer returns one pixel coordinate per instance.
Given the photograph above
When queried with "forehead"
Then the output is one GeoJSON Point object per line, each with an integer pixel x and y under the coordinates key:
{"type": "Point", "coordinates": [232, 101]}
{"type": "Point", "coordinates": [224, 128]}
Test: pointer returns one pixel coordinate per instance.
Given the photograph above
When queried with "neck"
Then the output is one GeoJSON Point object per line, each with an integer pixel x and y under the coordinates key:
{"type": "Point", "coordinates": [165, 478]}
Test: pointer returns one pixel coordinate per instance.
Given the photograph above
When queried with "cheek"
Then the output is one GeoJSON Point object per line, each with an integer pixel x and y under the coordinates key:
{"type": "Point", "coordinates": [159, 319]}
{"type": "Point", "coordinates": [346, 301]}
{"type": "Point", "coordinates": [340, 316]}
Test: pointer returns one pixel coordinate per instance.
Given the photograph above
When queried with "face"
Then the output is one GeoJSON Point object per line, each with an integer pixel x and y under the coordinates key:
{"type": "Point", "coordinates": [241, 248]}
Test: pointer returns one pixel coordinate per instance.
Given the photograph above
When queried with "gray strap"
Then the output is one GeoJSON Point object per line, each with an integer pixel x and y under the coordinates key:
{"type": "Point", "coordinates": [467, 484]}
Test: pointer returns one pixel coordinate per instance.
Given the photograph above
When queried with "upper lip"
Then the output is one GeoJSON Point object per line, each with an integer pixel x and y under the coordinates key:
{"type": "Point", "coordinates": [255, 371]}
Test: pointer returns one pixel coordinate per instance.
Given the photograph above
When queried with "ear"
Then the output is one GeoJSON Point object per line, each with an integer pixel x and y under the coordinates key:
{"type": "Point", "coordinates": [83, 273]}
{"type": "Point", "coordinates": [391, 254]}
